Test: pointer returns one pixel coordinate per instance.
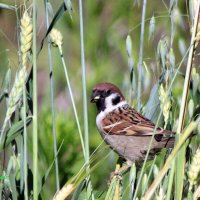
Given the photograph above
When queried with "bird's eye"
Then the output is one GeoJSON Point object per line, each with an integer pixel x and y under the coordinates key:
{"type": "Point", "coordinates": [108, 92]}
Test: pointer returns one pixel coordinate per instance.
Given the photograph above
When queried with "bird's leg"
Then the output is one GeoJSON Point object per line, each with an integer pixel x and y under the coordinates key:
{"type": "Point", "coordinates": [124, 166]}
{"type": "Point", "coordinates": [121, 167]}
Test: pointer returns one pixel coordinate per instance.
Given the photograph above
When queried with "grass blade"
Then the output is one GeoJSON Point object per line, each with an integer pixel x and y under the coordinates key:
{"type": "Point", "coordinates": [52, 100]}
{"type": "Point", "coordinates": [141, 56]}
{"type": "Point", "coordinates": [13, 132]}
{"type": "Point", "coordinates": [85, 110]}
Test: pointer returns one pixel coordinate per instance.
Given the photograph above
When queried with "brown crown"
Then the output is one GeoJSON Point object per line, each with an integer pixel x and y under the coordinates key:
{"type": "Point", "coordinates": [108, 86]}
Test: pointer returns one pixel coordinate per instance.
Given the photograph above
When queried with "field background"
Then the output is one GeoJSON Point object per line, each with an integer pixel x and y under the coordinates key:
{"type": "Point", "coordinates": [107, 24]}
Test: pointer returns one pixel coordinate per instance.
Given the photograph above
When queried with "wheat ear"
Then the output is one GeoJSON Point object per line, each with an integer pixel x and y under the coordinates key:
{"type": "Point", "coordinates": [22, 74]}
{"type": "Point", "coordinates": [194, 169]}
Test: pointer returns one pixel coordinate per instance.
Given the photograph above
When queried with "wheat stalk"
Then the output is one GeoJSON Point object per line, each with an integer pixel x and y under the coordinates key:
{"type": "Point", "coordinates": [22, 75]}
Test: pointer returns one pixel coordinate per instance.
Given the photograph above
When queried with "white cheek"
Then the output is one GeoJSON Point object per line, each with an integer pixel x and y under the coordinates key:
{"type": "Point", "coordinates": [109, 108]}
{"type": "Point", "coordinates": [108, 100]}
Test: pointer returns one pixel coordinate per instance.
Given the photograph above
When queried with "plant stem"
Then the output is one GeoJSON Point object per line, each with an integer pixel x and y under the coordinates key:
{"type": "Point", "coordinates": [188, 74]}
{"type": "Point", "coordinates": [180, 162]}
{"type": "Point", "coordinates": [52, 99]}
{"type": "Point", "coordinates": [85, 110]}
{"type": "Point", "coordinates": [141, 56]}
{"type": "Point", "coordinates": [72, 99]}
{"type": "Point", "coordinates": [25, 146]}
{"type": "Point", "coordinates": [35, 124]}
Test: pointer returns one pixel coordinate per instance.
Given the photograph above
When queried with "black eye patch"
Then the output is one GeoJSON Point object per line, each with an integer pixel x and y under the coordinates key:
{"type": "Point", "coordinates": [116, 100]}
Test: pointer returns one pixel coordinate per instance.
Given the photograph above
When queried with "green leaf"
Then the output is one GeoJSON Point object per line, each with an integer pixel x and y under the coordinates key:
{"type": "Point", "coordinates": [179, 173]}
{"type": "Point", "coordinates": [13, 132]}
{"type": "Point", "coordinates": [152, 108]}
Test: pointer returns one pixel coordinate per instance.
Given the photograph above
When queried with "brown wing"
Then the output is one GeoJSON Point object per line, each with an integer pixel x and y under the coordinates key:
{"type": "Point", "coordinates": [127, 121]}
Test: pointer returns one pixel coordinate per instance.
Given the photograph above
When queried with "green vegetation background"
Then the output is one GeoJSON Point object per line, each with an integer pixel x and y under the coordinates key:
{"type": "Point", "coordinates": [106, 26]}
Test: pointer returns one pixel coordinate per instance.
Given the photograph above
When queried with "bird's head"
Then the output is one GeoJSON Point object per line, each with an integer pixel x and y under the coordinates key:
{"type": "Point", "coordinates": [106, 95]}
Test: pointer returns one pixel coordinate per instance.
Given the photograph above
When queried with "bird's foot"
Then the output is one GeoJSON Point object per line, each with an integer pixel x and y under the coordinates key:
{"type": "Point", "coordinates": [118, 173]}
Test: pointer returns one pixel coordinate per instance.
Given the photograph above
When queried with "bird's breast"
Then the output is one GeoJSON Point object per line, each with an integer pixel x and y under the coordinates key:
{"type": "Point", "coordinates": [99, 120]}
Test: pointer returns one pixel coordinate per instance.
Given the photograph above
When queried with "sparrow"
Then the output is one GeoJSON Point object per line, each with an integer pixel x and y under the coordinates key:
{"type": "Point", "coordinates": [125, 130]}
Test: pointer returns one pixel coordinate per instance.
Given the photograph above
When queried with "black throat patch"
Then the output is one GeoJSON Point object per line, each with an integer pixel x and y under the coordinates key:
{"type": "Point", "coordinates": [101, 105]}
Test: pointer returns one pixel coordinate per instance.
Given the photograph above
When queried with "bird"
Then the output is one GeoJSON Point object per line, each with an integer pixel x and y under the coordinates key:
{"type": "Point", "coordinates": [124, 129]}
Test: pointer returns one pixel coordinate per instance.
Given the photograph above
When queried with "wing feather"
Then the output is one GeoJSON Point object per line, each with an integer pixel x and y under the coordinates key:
{"type": "Point", "coordinates": [129, 122]}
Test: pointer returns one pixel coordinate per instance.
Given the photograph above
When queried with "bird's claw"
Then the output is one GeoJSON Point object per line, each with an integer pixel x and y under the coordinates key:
{"type": "Point", "coordinates": [116, 174]}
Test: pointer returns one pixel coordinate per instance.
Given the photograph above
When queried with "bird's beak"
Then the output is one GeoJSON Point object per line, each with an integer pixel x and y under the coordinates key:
{"type": "Point", "coordinates": [94, 99]}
